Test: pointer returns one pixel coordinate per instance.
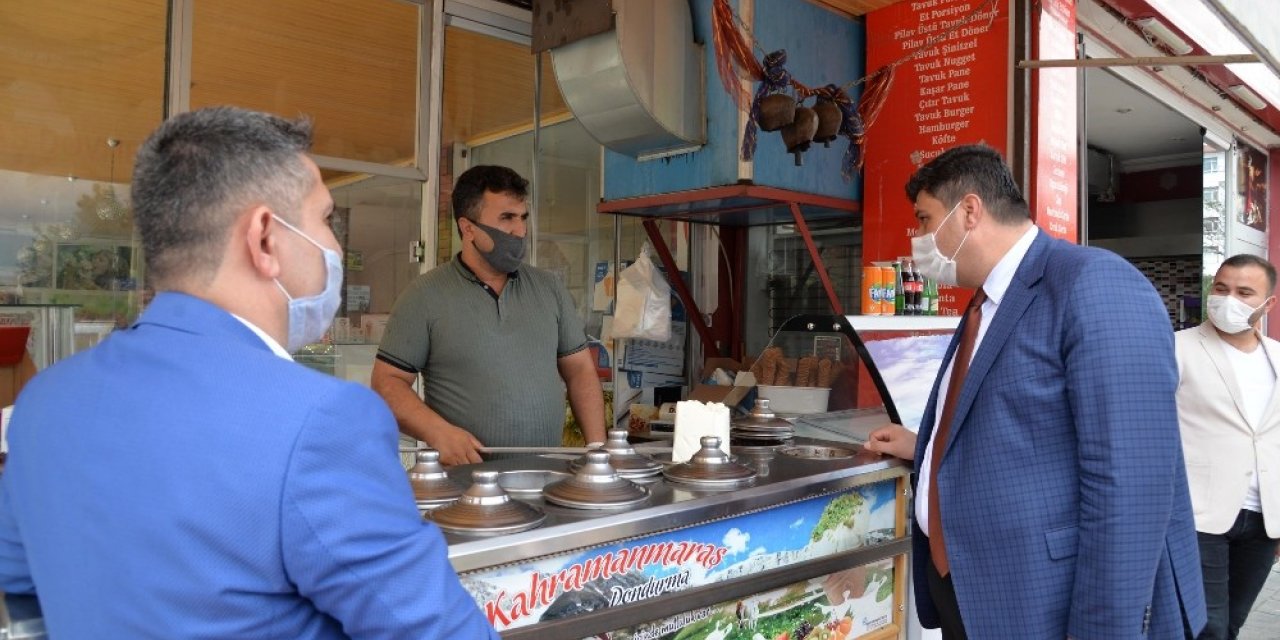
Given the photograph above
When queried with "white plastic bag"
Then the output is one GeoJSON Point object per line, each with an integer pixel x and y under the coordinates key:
{"type": "Point", "coordinates": [644, 302]}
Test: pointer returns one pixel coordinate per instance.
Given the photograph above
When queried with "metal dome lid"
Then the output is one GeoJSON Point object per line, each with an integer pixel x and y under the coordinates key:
{"type": "Point", "coordinates": [623, 458]}
{"type": "Point", "coordinates": [431, 484]}
{"type": "Point", "coordinates": [485, 509]}
{"type": "Point", "coordinates": [618, 442]}
{"type": "Point", "coordinates": [711, 468]}
{"type": "Point", "coordinates": [596, 485]}
{"type": "Point", "coordinates": [427, 465]}
{"type": "Point", "coordinates": [763, 421]}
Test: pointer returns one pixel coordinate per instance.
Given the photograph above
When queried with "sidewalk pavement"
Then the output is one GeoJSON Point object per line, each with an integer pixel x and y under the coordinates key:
{"type": "Point", "coordinates": [1264, 620]}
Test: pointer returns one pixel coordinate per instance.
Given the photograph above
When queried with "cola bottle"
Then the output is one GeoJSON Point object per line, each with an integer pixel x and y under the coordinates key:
{"type": "Point", "coordinates": [911, 288]}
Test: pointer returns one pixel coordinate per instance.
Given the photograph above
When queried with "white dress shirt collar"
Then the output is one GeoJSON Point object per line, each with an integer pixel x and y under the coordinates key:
{"type": "Point", "coordinates": [1001, 275]}
{"type": "Point", "coordinates": [996, 285]}
{"type": "Point", "coordinates": [271, 342]}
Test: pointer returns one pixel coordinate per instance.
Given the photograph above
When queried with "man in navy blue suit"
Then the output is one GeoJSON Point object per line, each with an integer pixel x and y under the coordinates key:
{"type": "Point", "coordinates": [185, 478]}
{"type": "Point", "coordinates": [1051, 496]}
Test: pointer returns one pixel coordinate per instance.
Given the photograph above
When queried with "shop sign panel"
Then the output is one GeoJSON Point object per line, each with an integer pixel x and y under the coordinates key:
{"type": "Point", "coordinates": [1054, 152]}
{"type": "Point", "coordinates": [554, 587]}
{"type": "Point", "coordinates": [951, 86]}
{"type": "Point", "coordinates": [843, 605]}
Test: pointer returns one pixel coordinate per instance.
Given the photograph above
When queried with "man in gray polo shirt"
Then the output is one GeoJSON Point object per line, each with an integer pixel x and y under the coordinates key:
{"type": "Point", "coordinates": [496, 341]}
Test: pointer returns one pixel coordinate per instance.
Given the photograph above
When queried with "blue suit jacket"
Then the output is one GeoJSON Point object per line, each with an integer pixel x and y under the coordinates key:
{"type": "Point", "coordinates": [1063, 491]}
{"type": "Point", "coordinates": [181, 481]}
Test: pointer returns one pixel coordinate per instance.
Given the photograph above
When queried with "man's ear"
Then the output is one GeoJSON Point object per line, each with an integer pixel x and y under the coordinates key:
{"type": "Point", "coordinates": [259, 234]}
{"type": "Point", "coordinates": [972, 208]}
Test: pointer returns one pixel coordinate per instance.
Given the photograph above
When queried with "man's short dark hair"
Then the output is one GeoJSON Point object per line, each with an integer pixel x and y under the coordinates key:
{"type": "Point", "coordinates": [976, 169]}
{"type": "Point", "coordinates": [1242, 260]}
{"type": "Point", "coordinates": [469, 188]}
{"type": "Point", "coordinates": [199, 170]}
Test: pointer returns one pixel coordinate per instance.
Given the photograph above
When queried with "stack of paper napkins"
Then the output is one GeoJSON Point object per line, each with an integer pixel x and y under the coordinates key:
{"type": "Point", "coordinates": [696, 419]}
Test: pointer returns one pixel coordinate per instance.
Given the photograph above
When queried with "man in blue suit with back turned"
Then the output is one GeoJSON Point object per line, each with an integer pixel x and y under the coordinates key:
{"type": "Point", "coordinates": [185, 478]}
{"type": "Point", "coordinates": [1051, 497]}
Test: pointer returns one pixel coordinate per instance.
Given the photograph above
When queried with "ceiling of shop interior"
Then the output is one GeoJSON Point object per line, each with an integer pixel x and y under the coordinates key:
{"type": "Point", "coordinates": [489, 87]}
{"type": "Point", "coordinates": [86, 72]}
{"type": "Point", "coordinates": [1132, 125]}
{"type": "Point", "coordinates": [73, 75]}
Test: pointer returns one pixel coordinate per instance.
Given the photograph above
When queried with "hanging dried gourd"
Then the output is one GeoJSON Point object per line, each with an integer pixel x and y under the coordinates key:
{"type": "Point", "coordinates": [799, 133]}
{"type": "Point", "coordinates": [776, 81]}
{"type": "Point", "coordinates": [829, 120]}
{"type": "Point", "coordinates": [776, 111]}
{"type": "Point", "coordinates": [850, 126]}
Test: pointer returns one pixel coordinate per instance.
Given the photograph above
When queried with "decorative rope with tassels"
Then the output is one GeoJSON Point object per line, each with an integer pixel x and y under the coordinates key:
{"type": "Point", "coordinates": [850, 127]}
{"type": "Point", "coordinates": [734, 58]}
{"type": "Point", "coordinates": [776, 80]}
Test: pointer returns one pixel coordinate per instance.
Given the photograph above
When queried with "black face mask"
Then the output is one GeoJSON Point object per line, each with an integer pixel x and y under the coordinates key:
{"type": "Point", "coordinates": [507, 252]}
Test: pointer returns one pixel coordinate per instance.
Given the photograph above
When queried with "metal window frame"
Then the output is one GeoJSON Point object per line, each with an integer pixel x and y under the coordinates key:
{"type": "Point", "coordinates": [510, 24]}
{"type": "Point", "coordinates": [426, 117]}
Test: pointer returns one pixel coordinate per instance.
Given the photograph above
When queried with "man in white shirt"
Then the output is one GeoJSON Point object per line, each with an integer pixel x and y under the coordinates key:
{"type": "Point", "coordinates": [1231, 437]}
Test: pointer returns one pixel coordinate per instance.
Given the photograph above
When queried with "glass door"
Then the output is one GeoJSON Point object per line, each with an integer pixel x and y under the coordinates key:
{"type": "Point", "coordinates": [1214, 211]}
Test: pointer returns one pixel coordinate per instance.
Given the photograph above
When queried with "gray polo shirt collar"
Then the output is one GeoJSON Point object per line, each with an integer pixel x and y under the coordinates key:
{"type": "Point", "coordinates": [471, 275]}
{"type": "Point", "coordinates": [467, 273]}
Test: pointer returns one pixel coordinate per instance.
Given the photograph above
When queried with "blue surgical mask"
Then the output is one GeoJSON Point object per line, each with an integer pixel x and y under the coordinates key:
{"type": "Point", "coordinates": [310, 316]}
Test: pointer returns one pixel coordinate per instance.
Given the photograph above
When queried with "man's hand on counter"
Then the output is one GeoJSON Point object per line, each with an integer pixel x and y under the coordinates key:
{"type": "Point", "coordinates": [456, 445]}
{"type": "Point", "coordinates": [894, 440]}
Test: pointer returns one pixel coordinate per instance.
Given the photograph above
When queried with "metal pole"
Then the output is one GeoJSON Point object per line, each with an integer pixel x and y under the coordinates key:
{"type": "Point", "coordinates": [694, 314]}
{"type": "Point", "coordinates": [535, 189]}
{"type": "Point", "coordinates": [1149, 61]}
{"type": "Point", "coordinates": [818, 265]}
{"type": "Point", "coordinates": [1082, 145]}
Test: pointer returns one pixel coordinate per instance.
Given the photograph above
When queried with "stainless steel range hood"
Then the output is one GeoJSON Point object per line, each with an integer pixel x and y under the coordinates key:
{"type": "Point", "coordinates": [638, 88]}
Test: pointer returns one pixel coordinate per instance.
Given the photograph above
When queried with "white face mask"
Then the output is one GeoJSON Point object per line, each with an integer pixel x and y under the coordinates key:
{"type": "Point", "coordinates": [310, 316]}
{"type": "Point", "coordinates": [1232, 315]}
{"type": "Point", "coordinates": [929, 261]}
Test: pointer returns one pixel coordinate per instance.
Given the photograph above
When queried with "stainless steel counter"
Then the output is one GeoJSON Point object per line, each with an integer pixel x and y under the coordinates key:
{"type": "Point", "coordinates": [780, 479]}
{"type": "Point", "coordinates": [20, 618]}
{"type": "Point", "coordinates": [569, 535]}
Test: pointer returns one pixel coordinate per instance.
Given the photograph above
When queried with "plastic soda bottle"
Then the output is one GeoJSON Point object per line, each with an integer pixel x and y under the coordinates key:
{"type": "Point", "coordinates": [899, 293]}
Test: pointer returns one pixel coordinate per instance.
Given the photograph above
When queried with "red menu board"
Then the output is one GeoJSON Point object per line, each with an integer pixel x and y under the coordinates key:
{"type": "Point", "coordinates": [1054, 166]}
{"type": "Point", "coordinates": [953, 88]}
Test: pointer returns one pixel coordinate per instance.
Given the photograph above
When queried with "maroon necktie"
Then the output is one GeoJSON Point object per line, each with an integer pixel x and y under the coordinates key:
{"type": "Point", "coordinates": [959, 367]}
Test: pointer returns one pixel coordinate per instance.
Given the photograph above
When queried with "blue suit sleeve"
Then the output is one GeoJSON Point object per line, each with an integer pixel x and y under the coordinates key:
{"type": "Point", "coordinates": [353, 541]}
{"type": "Point", "coordinates": [15, 575]}
{"type": "Point", "coordinates": [1121, 377]}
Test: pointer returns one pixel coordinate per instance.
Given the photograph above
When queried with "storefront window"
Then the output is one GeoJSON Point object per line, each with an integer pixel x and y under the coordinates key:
{"type": "Point", "coordinates": [374, 218]}
{"type": "Point", "coordinates": [83, 87]}
{"type": "Point", "coordinates": [488, 119]}
{"type": "Point", "coordinates": [789, 282]}
{"type": "Point", "coordinates": [349, 65]}
{"type": "Point", "coordinates": [573, 241]}
{"type": "Point", "coordinates": [1213, 207]}
{"type": "Point", "coordinates": [1246, 190]}
{"type": "Point", "coordinates": [488, 108]}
